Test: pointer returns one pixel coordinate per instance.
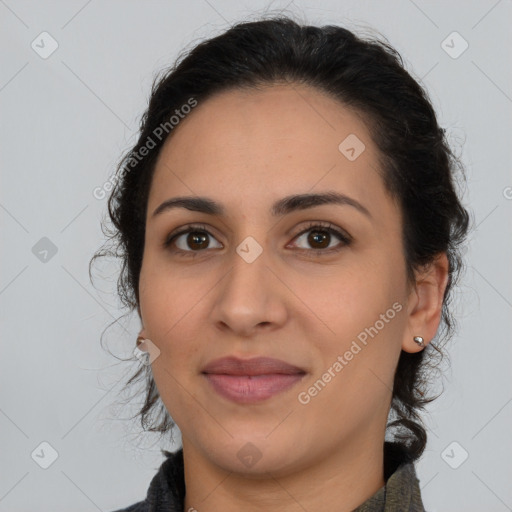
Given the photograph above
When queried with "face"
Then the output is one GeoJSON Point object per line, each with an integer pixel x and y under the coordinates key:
{"type": "Point", "coordinates": [320, 287]}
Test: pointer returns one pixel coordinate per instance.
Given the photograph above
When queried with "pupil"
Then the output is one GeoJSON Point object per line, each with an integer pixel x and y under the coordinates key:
{"type": "Point", "coordinates": [316, 235]}
{"type": "Point", "coordinates": [194, 237]}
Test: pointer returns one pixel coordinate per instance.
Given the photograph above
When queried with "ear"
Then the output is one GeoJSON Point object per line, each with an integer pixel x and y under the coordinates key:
{"type": "Point", "coordinates": [425, 303]}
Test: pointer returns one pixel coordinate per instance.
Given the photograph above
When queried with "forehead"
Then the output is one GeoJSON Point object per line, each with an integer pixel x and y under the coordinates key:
{"type": "Point", "coordinates": [248, 147]}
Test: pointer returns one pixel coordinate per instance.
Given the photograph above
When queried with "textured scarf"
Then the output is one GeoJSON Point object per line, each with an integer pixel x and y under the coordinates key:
{"type": "Point", "coordinates": [401, 493]}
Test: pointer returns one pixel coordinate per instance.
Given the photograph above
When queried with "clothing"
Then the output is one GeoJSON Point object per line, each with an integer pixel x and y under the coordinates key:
{"type": "Point", "coordinates": [401, 493]}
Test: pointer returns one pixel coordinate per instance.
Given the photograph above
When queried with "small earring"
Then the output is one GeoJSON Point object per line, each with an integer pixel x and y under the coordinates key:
{"type": "Point", "coordinates": [419, 340]}
{"type": "Point", "coordinates": [140, 339]}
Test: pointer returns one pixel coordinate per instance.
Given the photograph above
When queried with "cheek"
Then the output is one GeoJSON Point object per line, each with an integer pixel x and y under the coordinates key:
{"type": "Point", "coordinates": [166, 297]}
{"type": "Point", "coordinates": [348, 300]}
{"type": "Point", "coordinates": [354, 382]}
{"type": "Point", "coordinates": [359, 315]}
{"type": "Point", "coordinates": [168, 308]}
{"type": "Point", "coordinates": [168, 317]}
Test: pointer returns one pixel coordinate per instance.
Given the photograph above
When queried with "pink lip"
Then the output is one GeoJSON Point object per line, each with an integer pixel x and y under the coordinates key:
{"type": "Point", "coordinates": [251, 380]}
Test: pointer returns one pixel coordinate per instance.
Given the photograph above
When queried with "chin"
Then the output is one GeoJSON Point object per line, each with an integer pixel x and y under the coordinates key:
{"type": "Point", "coordinates": [256, 457]}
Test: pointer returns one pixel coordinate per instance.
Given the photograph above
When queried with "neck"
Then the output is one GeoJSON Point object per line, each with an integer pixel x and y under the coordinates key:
{"type": "Point", "coordinates": [341, 480]}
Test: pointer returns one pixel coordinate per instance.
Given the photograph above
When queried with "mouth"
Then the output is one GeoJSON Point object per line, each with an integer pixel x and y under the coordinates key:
{"type": "Point", "coordinates": [254, 380]}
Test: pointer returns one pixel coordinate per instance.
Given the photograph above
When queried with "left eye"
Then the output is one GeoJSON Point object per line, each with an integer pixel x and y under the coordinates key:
{"type": "Point", "coordinates": [318, 235]}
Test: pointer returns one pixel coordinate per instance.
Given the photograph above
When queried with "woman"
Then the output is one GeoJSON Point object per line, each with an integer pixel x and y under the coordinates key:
{"type": "Point", "coordinates": [289, 229]}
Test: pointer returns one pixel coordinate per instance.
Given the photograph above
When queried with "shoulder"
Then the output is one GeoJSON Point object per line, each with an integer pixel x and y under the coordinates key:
{"type": "Point", "coordinates": [167, 488]}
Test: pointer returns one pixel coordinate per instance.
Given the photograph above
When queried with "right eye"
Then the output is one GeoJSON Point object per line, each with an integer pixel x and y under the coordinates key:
{"type": "Point", "coordinates": [197, 239]}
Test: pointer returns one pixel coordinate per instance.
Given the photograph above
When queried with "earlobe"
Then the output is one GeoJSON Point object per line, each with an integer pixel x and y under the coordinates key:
{"type": "Point", "coordinates": [425, 316]}
{"type": "Point", "coordinates": [141, 341]}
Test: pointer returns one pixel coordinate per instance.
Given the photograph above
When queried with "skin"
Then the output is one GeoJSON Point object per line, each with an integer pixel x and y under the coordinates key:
{"type": "Point", "coordinates": [247, 149]}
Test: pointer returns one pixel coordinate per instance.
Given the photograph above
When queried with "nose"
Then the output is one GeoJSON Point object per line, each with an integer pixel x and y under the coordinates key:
{"type": "Point", "coordinates": [250, 297]}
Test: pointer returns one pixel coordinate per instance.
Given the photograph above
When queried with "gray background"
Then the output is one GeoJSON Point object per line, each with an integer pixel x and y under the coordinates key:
{"type": "Point", "coordinates": [66, 119]}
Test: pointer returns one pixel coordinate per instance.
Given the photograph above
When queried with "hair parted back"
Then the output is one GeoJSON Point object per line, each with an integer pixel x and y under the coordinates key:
{"type": "Point", "coordinates": [416, 164]}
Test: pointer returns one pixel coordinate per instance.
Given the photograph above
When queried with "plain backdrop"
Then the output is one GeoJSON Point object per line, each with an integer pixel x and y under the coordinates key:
{"type": "Point", "coordinates": [71, 100]}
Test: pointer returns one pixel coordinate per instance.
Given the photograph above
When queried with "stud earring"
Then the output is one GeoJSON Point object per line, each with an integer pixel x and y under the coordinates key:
{"type": "Point", "coordinates": [419, 340]}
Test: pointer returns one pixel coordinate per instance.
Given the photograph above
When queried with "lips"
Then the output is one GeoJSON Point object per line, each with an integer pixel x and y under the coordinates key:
{"type": "Point", "coordinates": [255, 366]}
{"type": "Point", "coordinates": [251, 380]}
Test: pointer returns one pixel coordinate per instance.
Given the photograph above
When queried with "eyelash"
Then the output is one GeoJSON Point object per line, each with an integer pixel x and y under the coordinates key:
{"type": "Point", "coordinates": [327, 227]}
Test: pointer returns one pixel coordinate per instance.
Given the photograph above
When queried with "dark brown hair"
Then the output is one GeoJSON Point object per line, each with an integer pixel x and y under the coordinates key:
{"type": "Point", "coordinates": [416, 164]}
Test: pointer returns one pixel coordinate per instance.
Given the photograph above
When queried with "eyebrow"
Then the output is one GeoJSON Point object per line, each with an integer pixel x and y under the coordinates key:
{"type": "Point", "coordinates": [281, 207]}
